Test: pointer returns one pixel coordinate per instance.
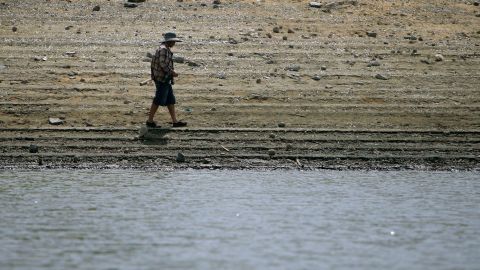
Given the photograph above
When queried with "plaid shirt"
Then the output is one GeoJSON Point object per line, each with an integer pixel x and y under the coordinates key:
{"type": "Point", "coordinates": [162, 64]}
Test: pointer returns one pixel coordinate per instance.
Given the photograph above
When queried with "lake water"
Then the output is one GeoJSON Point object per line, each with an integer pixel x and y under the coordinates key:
{"type": "Point", "coordinates": [120, 219]}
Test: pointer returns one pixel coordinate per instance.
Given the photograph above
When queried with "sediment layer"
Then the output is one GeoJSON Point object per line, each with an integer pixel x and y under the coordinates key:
{"type": "Point", "coordinates": [363, 84]}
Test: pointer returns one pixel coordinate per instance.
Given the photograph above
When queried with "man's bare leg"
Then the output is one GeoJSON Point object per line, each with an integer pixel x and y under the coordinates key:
{"type": "Point", "coordinates": [151, 114]}
{"type": "Point", "coordinates": [171, 110]}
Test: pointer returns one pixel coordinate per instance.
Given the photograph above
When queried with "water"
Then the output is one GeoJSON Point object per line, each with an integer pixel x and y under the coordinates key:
{"type": "Point", "coordinates": [239, 220]}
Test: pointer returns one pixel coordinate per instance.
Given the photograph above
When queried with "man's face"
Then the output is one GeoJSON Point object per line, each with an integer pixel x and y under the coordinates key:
{"type": "Point", "coordinates": [171, 43]}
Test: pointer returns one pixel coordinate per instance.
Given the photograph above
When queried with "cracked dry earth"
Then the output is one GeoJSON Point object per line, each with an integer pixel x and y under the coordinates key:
{"type": "Point", "coordinates": [263, 84]}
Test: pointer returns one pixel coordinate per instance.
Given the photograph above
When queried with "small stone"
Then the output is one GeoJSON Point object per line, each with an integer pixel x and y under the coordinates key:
{"type": "Point", "coordinates": [293, 68]}
{"type": "Point", "coordinates": [259, 81]}
{"type": "Point", "coordinates": [55, 121]}
{"type": "Point", "coordinates": [269, 35]}
{"type": "Point", "coordinates": [217, 2]}
{"type": "Point", "coordinates": [136, 1]}
{"type": "Point", "coordinates": [315, 5]}
{"type": "Point", "coordinates": [180, 158]}
{"type": "Point", "coordinates": [289, 147]}
{"type": "Point", "coordinates": [221, 76]}
{"type": "Point", "coordinates": [96, 8]}
{"type": "Point", "coordinates": [373, 63]}
{"type": "Point", "coordinates": [281, 125]}
{"type": "Point", "coordinates": [276, 29]}
{"type": "Point", "coordinates": [33, 148]}
{"type": "Point", "coordinates": [272, 136]}
{"type": "Point", "coordinates": [439, 57]}
{"type": "Point", "coordinates": [192, 64]}
{"type": "Point", "coordinates": [14, 29]}
{"type": "Point", "coordinates": [130, 5]}
{"type": "Point", "coordinates": [372, 34]}
{"type": "Point", "coordinates": [381, 77]}
{"type": "Point", "coordinates": [316, 78]}
{"type": "Point", "coordinates": [323, 68]}
{"type": "Point", "coordinates": [285, 38]}
{"type": "Point", "coordinates": [271, 152]}
{"type": "Point", "coordinates": [290, 31]}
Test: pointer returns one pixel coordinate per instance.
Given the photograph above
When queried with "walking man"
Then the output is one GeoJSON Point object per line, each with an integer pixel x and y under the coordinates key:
{"type": "Point", "coordinates": [163, 75]}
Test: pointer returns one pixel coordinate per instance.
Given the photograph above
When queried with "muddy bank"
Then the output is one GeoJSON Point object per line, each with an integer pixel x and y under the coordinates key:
{"type": "Point", "coordinates": [358, 67]}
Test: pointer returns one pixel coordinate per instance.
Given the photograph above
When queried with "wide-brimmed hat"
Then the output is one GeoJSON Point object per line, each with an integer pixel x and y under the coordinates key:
{"type": "Point", "coordinates": [170, 36]}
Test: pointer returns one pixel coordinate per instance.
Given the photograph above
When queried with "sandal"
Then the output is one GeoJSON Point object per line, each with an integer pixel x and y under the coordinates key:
{"type": "Point", "coordinates": [179, 124]}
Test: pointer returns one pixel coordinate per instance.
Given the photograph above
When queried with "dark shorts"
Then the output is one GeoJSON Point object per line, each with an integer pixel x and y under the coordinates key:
{"type": "Point", "coordinates": [164, 95]}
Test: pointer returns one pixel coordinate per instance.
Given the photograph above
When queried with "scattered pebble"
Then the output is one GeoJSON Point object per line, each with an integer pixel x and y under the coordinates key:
{"type": "Point", "coordinates": [271, 152]}
{"type": "Point", "coordinates": [180, 158]}
{"type": "Point", "coordinates": [315, 5]}
{"type": "Point", "coordinates": [130, 5]}
{"type": "Point", "coordinates": [372, 34]}
{"type": "Point", "coordinates": [381, 77]}
{"type": "Point", "coordinates": [55, 121]}
{"type": "Point", "coordinates": [439, 57]}
{"type": "Point", "coordinates": [33, 148]}
{"type": "Point", "coordinates": [282, 125]}
{"type": "Point", "coordinates": [96, 8]}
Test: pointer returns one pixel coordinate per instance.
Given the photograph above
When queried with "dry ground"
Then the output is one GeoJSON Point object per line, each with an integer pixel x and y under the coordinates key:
{"type": "Point", "coordinates": [313, 74]}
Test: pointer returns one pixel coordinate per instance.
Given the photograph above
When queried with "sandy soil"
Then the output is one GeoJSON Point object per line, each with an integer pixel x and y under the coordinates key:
{"type": "Point", "coordinates": [350, 73]}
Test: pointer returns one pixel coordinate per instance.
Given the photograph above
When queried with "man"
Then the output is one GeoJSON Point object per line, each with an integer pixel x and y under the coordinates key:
{"type": "Point", "coordinates": [162, 74]}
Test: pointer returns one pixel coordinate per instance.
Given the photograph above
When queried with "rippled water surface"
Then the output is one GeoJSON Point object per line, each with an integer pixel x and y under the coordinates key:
{"type": "Point", "coordinates": [239, 220]}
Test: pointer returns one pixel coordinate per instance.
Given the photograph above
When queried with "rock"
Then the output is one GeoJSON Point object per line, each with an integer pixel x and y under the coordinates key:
{"type": "Point", "coordinates": [178, 59]}
{"type": "Point", "coordinates": [217, 2]}
{"type": "Point", "coordinates": [293, 68]}
{"type": "Point", "coordinates": [426, 61]}
{"type": "Point", "coordinates": [271, 152]}
{"type": "Point", "coordinates": [192, 64]}
{"type": "Point", "coordinates": [33, 148]}
{"type": "Point", "coordinates": [372, 34]}
{"type": "Point", "coordinates": [232, 41]}
{"type": "Point", "coordinates": [259, 81]}
{"type": "Point", "coordinates": [221, 75]}
{"type": "Point", "coordinates": [381, 77]}
{"type": "Point", "coordinates": [143, 131]}
{"type": "Point", "coordinates": [439, 57]}
{"type": "Point", "coordinates": [269, 35]}
{"type": "Point", "coordinates": [276, 29]}
{"type": "Point", "coordinates": [284, 37]}
{"type": "Point", "coordinates": [336, 4]}
{"type": "Point", "coordinates": [476, 3]}
{"type": "Point", "coordinates": [14, 29]}
{"type": "Point", "coordinates": [136, 1]}
{"type": "Point", "coordinates": [373, 63]}
{"type": "Point", "coordinates": [290, 31]}
{"type": "Point", "coordinates": [55, 121]}
{"type": "Point", "coordinates": [96, 8]}
{"type": "Point", "coordinates": [272, 136]}
{"type": "Point", "coordinates": [130, 5]}
{"type": "Point", "coordinates": [315, 5]}
{"type": "Point", "coordinates": [323, 67]}
{"type": "Point", "coordinates": [316, 78]}
{"type": "Point", "coordinates": [281, 125]}
{"type": "Point", "coordinates": [289, 147]}
{"type": "Point", "coordinates": [180, 158]}
{"type": "Point", "coordinates": [2, 67]}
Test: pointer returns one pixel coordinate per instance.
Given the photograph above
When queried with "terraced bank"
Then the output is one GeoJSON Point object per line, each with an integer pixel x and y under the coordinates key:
{"type": "Point", "coordinates": [249, 66]}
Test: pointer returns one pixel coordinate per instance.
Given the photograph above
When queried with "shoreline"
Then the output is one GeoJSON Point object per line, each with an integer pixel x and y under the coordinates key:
{"type": "Point", "coordinates": [238, 149]}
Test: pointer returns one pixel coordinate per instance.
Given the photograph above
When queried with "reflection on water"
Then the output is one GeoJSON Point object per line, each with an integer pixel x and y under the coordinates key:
{"type": "Point", "coordinates": [239, 220]}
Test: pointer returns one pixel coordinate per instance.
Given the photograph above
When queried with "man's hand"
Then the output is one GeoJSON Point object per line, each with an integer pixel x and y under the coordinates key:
{"type": "Point", "coordinates": [174, 74]}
